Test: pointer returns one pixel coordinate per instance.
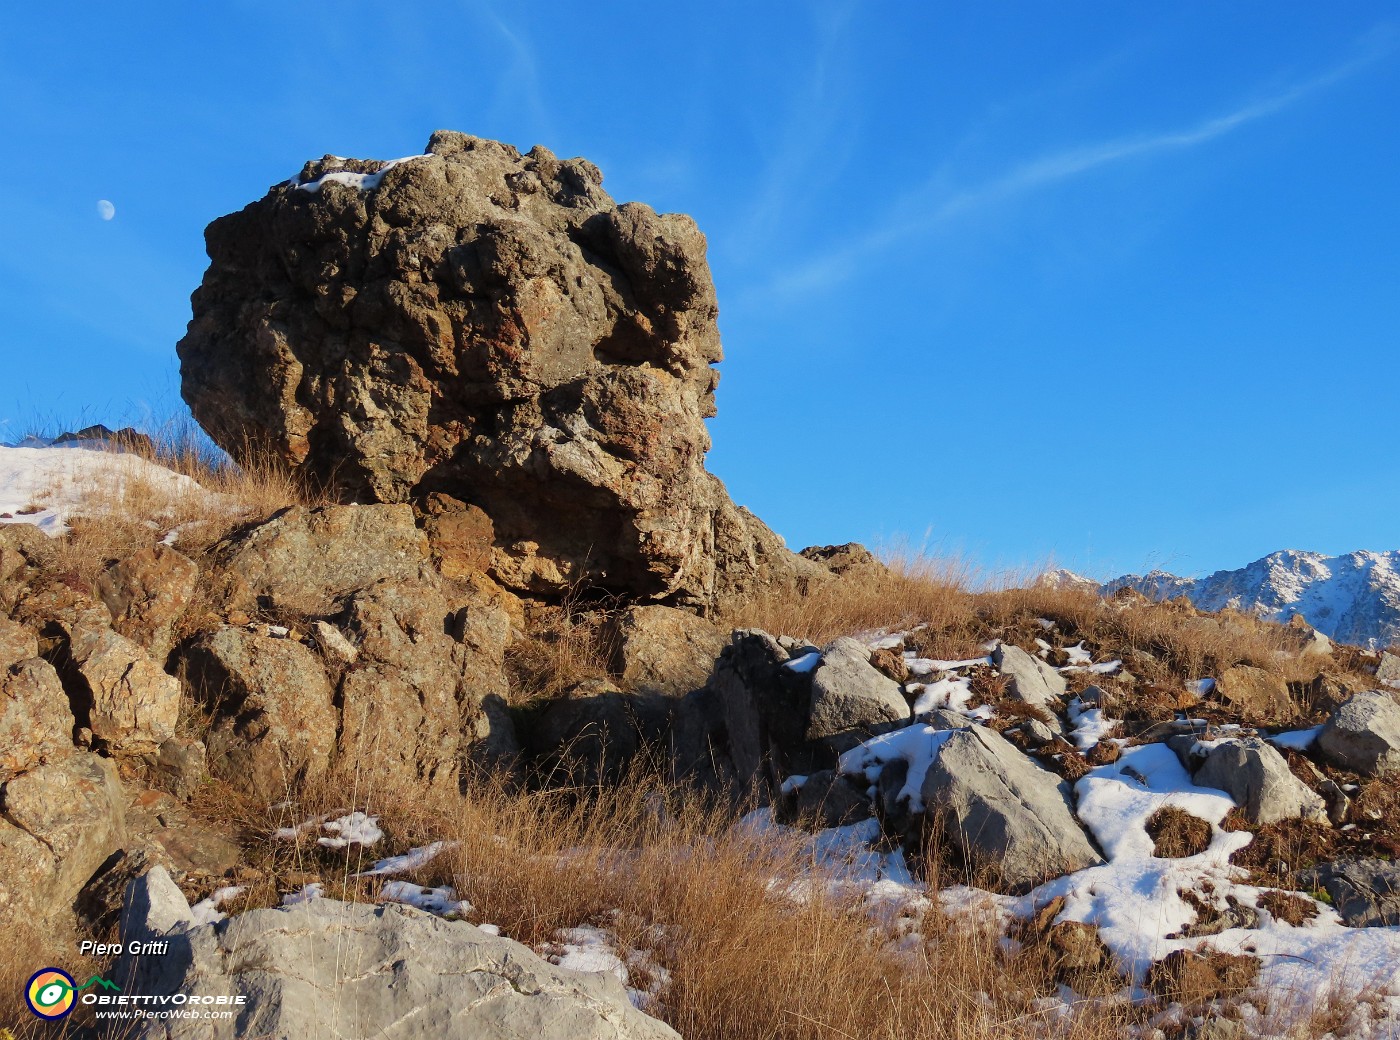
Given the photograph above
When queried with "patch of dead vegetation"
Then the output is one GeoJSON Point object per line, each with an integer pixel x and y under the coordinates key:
{"type": "Point", "coordinates": [1177, 834]}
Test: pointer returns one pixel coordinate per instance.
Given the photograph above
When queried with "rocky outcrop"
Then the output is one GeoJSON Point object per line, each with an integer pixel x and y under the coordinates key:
{"type": "Point", "coordinates": [1258, 779]}
{"type": "Point", "coordinates": [493, 327]}
{"type": "Point", "coordinates": [662, 650]}
{"type": "Point", "coordinates": [364, 971]}
{"type": "Point", "coordinates": [308, 561]}
{"type": "Point", "coordinates": [851, 699]}
{"type": "Point", "coordinates": [1363, 735]}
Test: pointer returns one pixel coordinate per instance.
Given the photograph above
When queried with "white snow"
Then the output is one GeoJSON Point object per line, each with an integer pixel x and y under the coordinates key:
{"type": "Point", "coordinates": [593, 949]}
{"type": "Point", "coordinates": [442, 901]}
{"type": "Point", "coordinates": [917, 745]}
{"type": "Point", "coordinates": [354, 828]}
{"type": "Point", "coordinates": [1078, 655]}
{"type": "Point", "coordinates": [1090, 724]}
{"type": "Point", "coordinates": [1296, 739]}
{"type": "Point", "coordinates": [945, 693]}
{"type": "Point", "coordinates": [806, 663]}
{"type": "Point", "coordinates": [45, 487]}
{"type": "Point", "coordinates": [315, 890]}
{"type": "Point", "coordinates": [207, 911]}
{"type": "Point", "coordinates": [360, 181]}
{"type": "Point", "coordinates": [413, 859]}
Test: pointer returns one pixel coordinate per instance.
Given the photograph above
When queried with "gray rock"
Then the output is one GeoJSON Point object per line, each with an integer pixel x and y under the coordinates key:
{"type": "Point", "coordinates": [1005, 814]}
{"type": "Point", "coordinates": [153, 907]}
{"type": "Point", "coordinates": [826, 800]}
{"type": "Point", "coordinates": [1388, 671]}
{"type": "Point", "coordinates": [763, 705]}
{"type": "Point", "coordinates": [1363, 735]}
{"type": "Point", "coordinates": [1366, 892]}
{"type": "Point", "coordinates": [364, 972]}
{"type": "Point", "coordinates": [1031, 679]}
{"type": "Point", "coordinates": [1256, 776]}
{"type": "Point", "coordinates": [851, 700]}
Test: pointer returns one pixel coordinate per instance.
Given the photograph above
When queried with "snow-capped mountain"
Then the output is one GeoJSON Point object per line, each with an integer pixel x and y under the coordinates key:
{"type": "Point", "coordinates": [1353, 598]}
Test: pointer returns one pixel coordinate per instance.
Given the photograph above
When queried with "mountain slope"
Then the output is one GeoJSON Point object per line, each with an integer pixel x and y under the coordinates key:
{"type": "Point", "coordinates": [1353, 598]}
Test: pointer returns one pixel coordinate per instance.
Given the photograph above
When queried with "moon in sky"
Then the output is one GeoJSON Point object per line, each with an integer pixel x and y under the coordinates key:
{"type": "Point", "coordinates": [105, 209]}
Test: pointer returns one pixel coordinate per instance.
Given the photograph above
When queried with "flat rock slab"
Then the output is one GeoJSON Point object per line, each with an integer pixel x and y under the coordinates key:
{"type": "Point", "coordinates": [352, 971]}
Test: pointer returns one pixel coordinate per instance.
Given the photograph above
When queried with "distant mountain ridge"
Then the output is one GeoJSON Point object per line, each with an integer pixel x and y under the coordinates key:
{"type": "Point", "coordinates": [1353, 598]}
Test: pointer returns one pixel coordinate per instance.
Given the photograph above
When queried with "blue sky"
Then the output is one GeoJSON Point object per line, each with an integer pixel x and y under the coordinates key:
{"type": "Point", "coordinates": [1116, 285]}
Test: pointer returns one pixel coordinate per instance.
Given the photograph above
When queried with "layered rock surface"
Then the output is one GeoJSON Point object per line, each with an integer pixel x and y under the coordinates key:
{"type": "Point", "coordinates": [491, 326]}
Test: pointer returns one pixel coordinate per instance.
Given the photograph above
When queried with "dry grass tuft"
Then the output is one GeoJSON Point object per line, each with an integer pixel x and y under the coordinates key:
{"type": "Point", "coordinates": [1176, 833]}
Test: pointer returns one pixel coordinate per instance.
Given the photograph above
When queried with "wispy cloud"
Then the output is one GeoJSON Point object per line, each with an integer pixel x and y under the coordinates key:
{"type": "Point", "coordinates": [814, 114]}
{"type": "Point", "coordinates": [916, 215]}
{"type": "Point", "coordinates": [524, 85]}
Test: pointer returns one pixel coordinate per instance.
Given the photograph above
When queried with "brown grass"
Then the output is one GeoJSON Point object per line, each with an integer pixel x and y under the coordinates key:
{"type": "Point", "coordinates": [1176, 833]}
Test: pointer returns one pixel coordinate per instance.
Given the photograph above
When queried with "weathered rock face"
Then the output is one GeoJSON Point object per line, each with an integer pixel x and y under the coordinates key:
{"type": "Point", "coordinates": [663, 650]}
{"type": "Point", "coordinates": [494, 327]}
{"type": "Point", "coordinates": [1366, 892]}
{"type": "Point", "coordinates": [1364, 734]}
{"type": "Point", "coordinates": [274, 720]}
{"type": "Point", "coordinates": [125, 698]}
{"type": "Point", "coordinates": [146, 593]}
{"type": "Point", "coordinates": [368, 970]}
{"type": "Point", "coordinates": [35, 720]}
{"type": "Point", "coordinates": [61, 820]}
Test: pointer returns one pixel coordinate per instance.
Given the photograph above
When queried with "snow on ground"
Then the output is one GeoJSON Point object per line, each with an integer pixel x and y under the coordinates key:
{"type": "Point", "coordinates": [1090, 724]}
{"type": "Point", "coordinates": [954, 694]}
{"type": "Point", "coordinates": [442, 901]}
{"type": "Point", "coordinates": [45, 487]}
{"type": "Point", "coordinates": [589, 948]}
{"type": "Point", "coordinates": [207, 911]}
{"type": "Point", "coordinates": [413, 859]}
{"type": "Point", "coordinates": [354, 828]}
{"type": "Point", "coordinates": [1296, 739]}
{"type": "Point", "coordinates": [918, 745]}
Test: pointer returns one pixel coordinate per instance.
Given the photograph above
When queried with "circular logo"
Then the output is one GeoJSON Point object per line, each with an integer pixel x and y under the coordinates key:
{"type": "Point", "coordinates": [50, 993]}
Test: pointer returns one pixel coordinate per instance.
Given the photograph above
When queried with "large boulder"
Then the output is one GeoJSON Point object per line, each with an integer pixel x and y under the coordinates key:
{"type": "Point", "coordinates": [1363, 735]}
{"type": "Point", "coordinates": [1008, 818]}
{"type": "Point", "coordinates": [409, 669]}
{"type": "Point", "coordinates": [366, 972]}
{"type": "Point", "coordinates": [1030, 679]}
{"type": "Point", "coordinates": [1256, 693]}
{"type": "Point", "coordinates": [493, 327]}
{"type": "Point", "coordinates": [61, 821]}
{"type": "Point", "coordinates": [1256, 776]}
{"type": "Point", "coordinates": [274, 718]}
{"type": "Point", "coordinates": [1388, 671]}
